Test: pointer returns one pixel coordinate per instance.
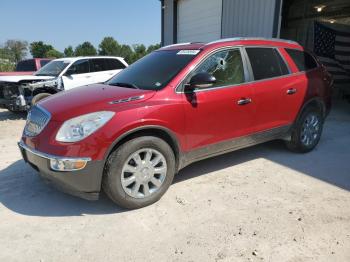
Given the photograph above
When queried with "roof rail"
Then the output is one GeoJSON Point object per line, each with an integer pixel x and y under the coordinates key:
{"type": "Point", "coordinates": [253, 38]}
{"type": "Point", "coordinates": [186, 43]}
{"type": "Point", "coordinates": [166, 46]}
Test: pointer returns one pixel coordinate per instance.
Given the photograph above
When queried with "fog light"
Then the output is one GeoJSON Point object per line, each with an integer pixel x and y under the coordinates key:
{"type": "Point", "coordinates": [20, 101]}
{"type": "Point", "coordinates": [67, 164]}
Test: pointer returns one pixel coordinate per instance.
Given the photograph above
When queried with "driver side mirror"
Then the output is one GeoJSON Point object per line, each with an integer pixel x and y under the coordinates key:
{"type": "Point", "coordinates": [201, 81]}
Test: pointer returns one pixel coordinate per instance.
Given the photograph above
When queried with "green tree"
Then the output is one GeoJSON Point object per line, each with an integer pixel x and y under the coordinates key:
{"type": "Point", "coordinates": [6, 60]}
{"type": "Point", "coordinates": [39, 49]}
{"type": "Point", "coordinates": [53, 53]}
{"type": "Point", "coordinates": [109, 46]}
{"type": "Point", "coordinates": [85, 49]}
{"type": "Point", "coordinates": [152, 48]}
{"type": "Point", "coordinates": [68, 52]}
{"type": "Point", "coordinates": [139, 51]}
{"type": "Point", "coordinates": [18, 49]}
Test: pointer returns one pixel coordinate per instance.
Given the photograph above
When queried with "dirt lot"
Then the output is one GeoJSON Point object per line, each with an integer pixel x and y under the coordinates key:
{"type": "Point", "coordinates": [258, 204]}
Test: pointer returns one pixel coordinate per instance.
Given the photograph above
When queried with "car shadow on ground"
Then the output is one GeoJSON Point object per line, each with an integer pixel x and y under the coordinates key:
{"type": "Point", "coordinates": [8, 115]}
{"type": "Point", "coordinates": [24, 192]}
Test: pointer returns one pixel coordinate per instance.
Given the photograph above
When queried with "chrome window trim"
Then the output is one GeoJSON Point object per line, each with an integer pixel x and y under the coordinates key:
{"type": "Point", "coordinates": [22, 145]}
{"type": "Point", "coordinates": [246, 65]}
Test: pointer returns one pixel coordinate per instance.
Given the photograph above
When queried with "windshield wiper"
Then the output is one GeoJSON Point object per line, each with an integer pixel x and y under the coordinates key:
{"type": "Point", "coordinates": [127, 85]}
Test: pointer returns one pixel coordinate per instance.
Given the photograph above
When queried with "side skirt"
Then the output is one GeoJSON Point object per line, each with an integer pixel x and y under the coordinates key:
{"type": "Point", "coordinates": [233, 145]}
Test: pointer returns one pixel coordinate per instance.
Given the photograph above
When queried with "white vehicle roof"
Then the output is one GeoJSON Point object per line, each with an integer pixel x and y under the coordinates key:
{"type": "Point", "coordinates": [73, 59]}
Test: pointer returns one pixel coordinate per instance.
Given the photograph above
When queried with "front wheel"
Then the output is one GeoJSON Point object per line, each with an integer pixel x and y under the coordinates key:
{"type": "Point", "coordinates": [139, 172]}
{"type": "Point", "coordinates": [39, 97]}
{"type": "Point", "coordinates": [307, 131]}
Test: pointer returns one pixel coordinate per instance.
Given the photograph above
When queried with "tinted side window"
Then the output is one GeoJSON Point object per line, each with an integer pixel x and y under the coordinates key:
{"type": "Point", "coordinates": [97, 65]}
{"type": "Point", "coordinates": [226, 66]}
{"type": "Point", "coordinates": [304, 61]}
{"type": "Point", "coordinates": [26, 66]}
{"type": "Point", "coordinates": [114, 64]}
{"type": "Point", "coordinates": [80, 67]}
{"type": "Point", "coordinates": [266, 63]}
{"type": "Point", "coordinates": [43, 62]}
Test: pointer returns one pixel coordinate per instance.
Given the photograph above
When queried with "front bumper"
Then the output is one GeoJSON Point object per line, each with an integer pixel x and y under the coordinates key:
{"type": "Point", "coordinates": [84, 183]}
{"type": "Point", "coordinates": [14, 104]}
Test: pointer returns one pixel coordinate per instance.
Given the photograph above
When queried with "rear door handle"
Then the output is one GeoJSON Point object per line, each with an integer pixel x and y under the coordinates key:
{"type": "Point", "coordinates": [244, 101]}
{"type": "Point", "coordinates": [291, 91]}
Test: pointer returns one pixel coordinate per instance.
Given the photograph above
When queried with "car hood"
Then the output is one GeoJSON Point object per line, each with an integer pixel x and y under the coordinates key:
{"type": "Point", "coordinates": [92, 98]}
{"type": "Point", "coordinates": [16, 79]}
{"type": "Point", "coordinates": [17, 73]}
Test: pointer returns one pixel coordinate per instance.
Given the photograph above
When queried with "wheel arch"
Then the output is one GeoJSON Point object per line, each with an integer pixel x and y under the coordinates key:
{"type": "Point", "coordinates": [44, 90]}
{"type": "Point", "coordinates": [314, 102]}
{"type": "Point", "coordinates": [157, 131]}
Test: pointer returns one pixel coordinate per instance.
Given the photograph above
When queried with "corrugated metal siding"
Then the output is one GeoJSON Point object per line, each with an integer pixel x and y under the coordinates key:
{"type": "Point", "coordinates": [198, 20]}
{"type": "Point", "coordinates": [168, 22]}
{"type": "Point", "coordinates": [248, 18]}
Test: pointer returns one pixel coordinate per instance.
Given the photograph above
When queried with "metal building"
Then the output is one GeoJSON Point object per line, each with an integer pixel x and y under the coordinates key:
{"type": "Point", "coordinates": [207, 20]}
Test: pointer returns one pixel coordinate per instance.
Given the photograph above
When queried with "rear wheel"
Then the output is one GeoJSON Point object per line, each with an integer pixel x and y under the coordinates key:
{"type": "Point", "coordinates": [39, 97]}
{"type": "Point", "coordinates": [307, 131]}
{"type": "Point", "coordinates": [139, 172]}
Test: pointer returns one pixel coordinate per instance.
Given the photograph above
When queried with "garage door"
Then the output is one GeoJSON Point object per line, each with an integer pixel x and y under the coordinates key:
{"type": "Point", "coordinates": [198, 20]}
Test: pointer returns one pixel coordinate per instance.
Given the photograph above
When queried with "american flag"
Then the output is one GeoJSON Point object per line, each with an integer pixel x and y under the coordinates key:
{"type": "Point", "coordinates": [333, 50]}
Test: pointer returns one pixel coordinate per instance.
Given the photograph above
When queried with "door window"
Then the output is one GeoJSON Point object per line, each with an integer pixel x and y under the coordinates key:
{"type": "Point", "coordinates": [97, 65]}
{"type": "Point", "coordinates": [266, 63]}
{"type": "Point", "coordinates": [114, 64]}
{"type": "Point", "coordinates": [80, 67]}
{"type": "Point", "coordinates": [226, 66]}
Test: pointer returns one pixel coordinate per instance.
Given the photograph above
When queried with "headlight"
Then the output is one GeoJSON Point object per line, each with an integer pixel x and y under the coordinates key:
{"type": "Point", "coordinates": [78, 128]}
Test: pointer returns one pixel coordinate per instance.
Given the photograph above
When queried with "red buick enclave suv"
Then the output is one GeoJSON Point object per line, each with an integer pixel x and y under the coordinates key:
{"type": "Point", "coordinates": [177, 105]}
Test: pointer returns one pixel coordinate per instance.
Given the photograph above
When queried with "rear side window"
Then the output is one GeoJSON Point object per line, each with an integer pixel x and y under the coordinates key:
{"type": "Point", "coordinates": [114, 64]}
{"type": "Point", "coordinates": [303, 60]}
{"type": "Point", "coordinates": [80, 67]}
{"type": "Point", "coordinates": [266, 63]}
{"type": "Point", "coordinates": [43, 62]}
{"type": "Point", "coordinates": [97, 65]}
{"type": "Point", "coordinates": [26, 66]}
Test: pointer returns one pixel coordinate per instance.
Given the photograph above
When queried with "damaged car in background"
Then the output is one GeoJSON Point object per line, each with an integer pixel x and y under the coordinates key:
{"type": "Point", "coordinates": [19, 93]}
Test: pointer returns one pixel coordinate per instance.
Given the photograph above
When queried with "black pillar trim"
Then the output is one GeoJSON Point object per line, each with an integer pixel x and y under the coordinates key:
{"type": "Point", "coordinates": [276, 18]}
{"type": "Point", "coordinates": [222, 18]}
{"type": "Point", "coordinates": [175, 22]}
{"type": "Point", "coordinates": [162, 22]}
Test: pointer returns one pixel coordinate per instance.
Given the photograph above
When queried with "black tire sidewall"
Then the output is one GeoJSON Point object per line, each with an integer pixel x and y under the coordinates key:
{"type": "Point", "coordinates": [37, 98]}
{"type": "Point", "coordinates": [295, 142]}
{"type": "Point", "coordinates": [114, 165]}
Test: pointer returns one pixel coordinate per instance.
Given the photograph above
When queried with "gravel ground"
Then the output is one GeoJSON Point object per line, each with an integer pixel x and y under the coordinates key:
{"type": "Point", "coordinates": [258, 204]}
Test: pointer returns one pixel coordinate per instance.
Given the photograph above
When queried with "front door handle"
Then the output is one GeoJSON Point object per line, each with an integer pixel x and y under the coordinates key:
{"type": "Point", "coordinates": [291, 91]}
{"type": "Point", "coordinates": [244, 101]}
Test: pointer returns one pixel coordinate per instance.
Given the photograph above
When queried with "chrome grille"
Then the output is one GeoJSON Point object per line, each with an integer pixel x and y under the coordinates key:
{"type": "Point", "coordinates": [37, 119]}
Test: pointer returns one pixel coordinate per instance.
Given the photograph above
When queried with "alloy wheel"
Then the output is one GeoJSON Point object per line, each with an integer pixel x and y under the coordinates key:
{"type": "Point", "coordinates": [143, 173]}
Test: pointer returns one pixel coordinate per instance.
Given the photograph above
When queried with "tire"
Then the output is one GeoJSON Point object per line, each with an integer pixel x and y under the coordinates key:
{"type": "Point", "coordinates": [299, 141]}
{"type": "Point", "coordinates": [123, 159]}
{"type": "Point", "coordinates": [39, 97]}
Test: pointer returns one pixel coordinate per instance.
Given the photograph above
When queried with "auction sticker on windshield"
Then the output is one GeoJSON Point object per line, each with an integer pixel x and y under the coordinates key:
{"type": "Point", "coordinates": [188, 52]}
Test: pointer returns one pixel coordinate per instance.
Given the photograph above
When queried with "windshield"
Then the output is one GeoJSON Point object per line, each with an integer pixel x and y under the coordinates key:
{"type": "Point", "coordinates": [154, 71]}
{"type": "Point", "coordinates": [54, 68]}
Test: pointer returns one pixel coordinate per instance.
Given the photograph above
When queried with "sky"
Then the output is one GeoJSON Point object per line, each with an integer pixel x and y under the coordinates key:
{"type": "Point", "coordinates": [71, 22]}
